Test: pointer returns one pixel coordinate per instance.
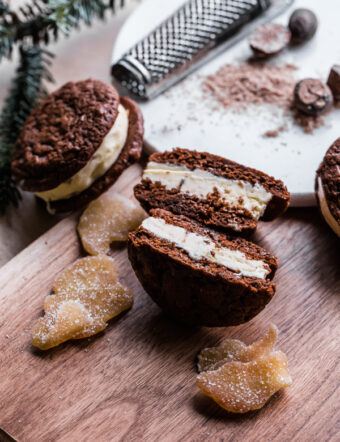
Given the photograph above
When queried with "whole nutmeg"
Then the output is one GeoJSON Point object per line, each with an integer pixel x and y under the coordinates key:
{"type": "Point", "coordinates": [312, 97]}
{"type": "Point", "coordinates": [302, 25]}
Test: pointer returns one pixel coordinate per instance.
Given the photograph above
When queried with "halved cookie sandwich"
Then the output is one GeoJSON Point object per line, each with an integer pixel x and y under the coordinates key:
{"type": "Point", "coordinates": [213, 190]}
{"type": "Point", "coordinates": [327, 187]}
{"type": "Point", "coordinates": [200, 276]}
{"type": "Point", "coordinates": [76, 143]}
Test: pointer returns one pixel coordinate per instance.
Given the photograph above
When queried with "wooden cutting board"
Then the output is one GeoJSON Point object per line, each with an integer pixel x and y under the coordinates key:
{"type": "Point", "coordinates": [136, 381]}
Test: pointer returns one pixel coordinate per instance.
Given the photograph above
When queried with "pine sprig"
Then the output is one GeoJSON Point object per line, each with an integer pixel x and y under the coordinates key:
{"type": "Point", "coordinates": [8, 21]}
{"type": "Point", "coordinates": [44, 20]}
{"type": "Point", "coordinates": [34, 24]}
{"type": "Point", "coordinates": [27, 88]}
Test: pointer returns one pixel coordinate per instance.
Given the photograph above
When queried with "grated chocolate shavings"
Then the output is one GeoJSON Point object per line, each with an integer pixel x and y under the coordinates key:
{"type": "Point", "coordinates": [239, 86]}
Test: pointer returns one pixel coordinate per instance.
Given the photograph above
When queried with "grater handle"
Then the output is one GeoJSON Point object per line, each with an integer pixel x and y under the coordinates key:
{"type": "Point", "coordinates": [163, 56]}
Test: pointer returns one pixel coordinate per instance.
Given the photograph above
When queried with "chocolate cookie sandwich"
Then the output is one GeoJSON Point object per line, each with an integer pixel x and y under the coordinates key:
{"type": "Point", "coordinates": [212, 190]}
{"type": "Point", "coordinates": [76, 143]}
{"type": "Point", "coordinates": [200, 276]}
{"type": "Point", "coordinates": [327, 187]}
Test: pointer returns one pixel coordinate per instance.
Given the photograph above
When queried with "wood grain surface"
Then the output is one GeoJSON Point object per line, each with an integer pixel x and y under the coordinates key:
{"type": "Point", "coordinates": [136, 381]}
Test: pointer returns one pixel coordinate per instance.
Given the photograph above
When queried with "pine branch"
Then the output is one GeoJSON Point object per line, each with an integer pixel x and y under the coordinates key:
{"type": "Point", "coordinates": [25, 91]}
{"type": "Point", "coordinates": [8, 21]}
{"type": "Point", "coordinates": [43, 20]}
{"type": "Point", "coordinates": [38, 22]}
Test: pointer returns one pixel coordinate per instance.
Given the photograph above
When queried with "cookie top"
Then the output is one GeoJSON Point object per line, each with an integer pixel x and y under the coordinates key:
{"type": "Point", "coordinates": [213, 190]}
{"type": "Point", "coordinates": [329, 172]}
{"type": "Point", "coordinates": [130, 153]}
{"type": "Point", "coordinates": [63, 132]}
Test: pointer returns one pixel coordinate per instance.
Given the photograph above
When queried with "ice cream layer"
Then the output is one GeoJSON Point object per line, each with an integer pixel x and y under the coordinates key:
{"type": "Point", "coordinates": [200, 183]}
{"type": "Point", "coordinates": [202, 247]}
{"type": "Point", "coordinates": [99, 163]}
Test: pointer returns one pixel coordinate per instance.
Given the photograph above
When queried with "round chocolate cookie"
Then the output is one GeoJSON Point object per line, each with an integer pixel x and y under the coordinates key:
{"type": "Point", "coordinates": [130, 153]}
{"type": "Point", "coordinates": [76, 143]}
{"type": "Point", "coordinates": [63, 132]}
{"type": "Point", "coordinates": [327, 187]}
{"type": "Point", "coordinates": [197, 275]}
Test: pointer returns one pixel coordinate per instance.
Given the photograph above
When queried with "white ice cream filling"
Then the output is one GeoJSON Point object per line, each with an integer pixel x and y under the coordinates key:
{"type": "Point", "coordinates": [202, 247]}
{"type": "Point", "coordinates": [200, 183]}
{"type": "Point", "coordinates": [329, 218]}
{"type": "Point", "coordinates": [100, 162]}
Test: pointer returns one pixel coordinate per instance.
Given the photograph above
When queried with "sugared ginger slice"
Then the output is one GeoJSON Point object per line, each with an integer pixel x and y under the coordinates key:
{"type": "Point", "coordinates": [86, 296]}
{"type": "Point", "coordinates": [240, 387]}
{"type": "Point", "coordinates": [108, 219]}
{"type": "Point", "coordinates": [235, 350]}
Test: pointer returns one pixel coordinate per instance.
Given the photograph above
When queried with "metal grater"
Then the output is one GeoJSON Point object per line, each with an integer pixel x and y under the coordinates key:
{"type": "Point", "coordinates": [195, 32]}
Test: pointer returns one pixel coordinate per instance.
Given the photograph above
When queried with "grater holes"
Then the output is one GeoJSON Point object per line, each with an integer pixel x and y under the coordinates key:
{"type": "Point", "coordinates": [185, 34]}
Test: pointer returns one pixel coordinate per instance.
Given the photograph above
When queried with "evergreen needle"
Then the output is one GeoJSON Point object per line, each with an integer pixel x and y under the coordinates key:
{"type": "Point", "coordinates": [25, 91]}
{"type": "Point", "coordinates": [35, 24]}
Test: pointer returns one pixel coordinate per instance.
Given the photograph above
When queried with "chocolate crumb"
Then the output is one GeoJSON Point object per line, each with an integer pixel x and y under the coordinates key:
{"type": "Point", "coordinates": [275, 132]}
{"type": "Point", "coordinates": [271, 133]}
{"type": "Point", "coordinates": [307, 122]}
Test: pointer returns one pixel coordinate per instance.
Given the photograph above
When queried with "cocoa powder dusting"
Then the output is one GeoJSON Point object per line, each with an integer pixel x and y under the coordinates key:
{"type": "Point", "coordinates": [239, 86]}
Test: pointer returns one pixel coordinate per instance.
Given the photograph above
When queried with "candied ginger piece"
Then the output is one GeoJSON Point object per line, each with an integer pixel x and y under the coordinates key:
{"type": "Point", "coordinates": [240, 387]}
{"type": "Point", "coordinates": [107, 219]}
{"type": "Point", "coordinates": [85, 296]}
{"type": "Point", "coordinates": [235, 350]}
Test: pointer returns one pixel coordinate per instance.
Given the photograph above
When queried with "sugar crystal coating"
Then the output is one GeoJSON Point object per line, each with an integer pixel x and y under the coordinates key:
{"type": "Point", "coordinates": [108, 219]}
{"type": "Point", "coordinates": [240, 387]}
{"type": "Point", "coordinates": [85, 296]}
{"type": "Point", "coordinates": [235, 350]}
{"type": "Point", "coordinates": [242, 378]}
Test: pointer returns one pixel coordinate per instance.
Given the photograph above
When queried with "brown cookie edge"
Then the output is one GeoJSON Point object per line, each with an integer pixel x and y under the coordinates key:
{"type": "Point", "coordinates": [53, 180]}
{"type": "Point", "coordinates": [320, 173]}
{"type": "Point", "coordinates": [130, 153]}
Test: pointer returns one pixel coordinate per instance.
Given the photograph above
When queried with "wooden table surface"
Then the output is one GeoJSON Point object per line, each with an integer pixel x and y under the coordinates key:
{"type": "Point", "coordinates": [136, 381]}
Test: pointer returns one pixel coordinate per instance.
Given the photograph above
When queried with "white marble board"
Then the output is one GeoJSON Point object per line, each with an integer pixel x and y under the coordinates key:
{"type": "Point", "coordinates": [180, 117]}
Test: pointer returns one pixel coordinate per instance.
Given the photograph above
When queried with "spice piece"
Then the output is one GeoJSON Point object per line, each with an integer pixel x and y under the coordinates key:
{"type": "Point", "coordinates": [269, 39]}
{"type": "Point", "coordinates": [312, 97]}
{"type": "Point", "coordinates": [302, 25]}
{"type": "Point", "coordinates": [333, 81]}
{"type": "Point", "coordinates": [85, 296]}
{"type": "Point", "coordinates": [108, 219]}
{"type": "Point", "coordinates": [235, 350]}
{"type": "Point", "coordinates": [240, 387]}
{"type": "Point", "coordinates": [242, 378]}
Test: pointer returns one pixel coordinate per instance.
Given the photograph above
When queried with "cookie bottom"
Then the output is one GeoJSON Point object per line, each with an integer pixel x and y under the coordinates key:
{"type": "Point", "coordinates": [198, 292]}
